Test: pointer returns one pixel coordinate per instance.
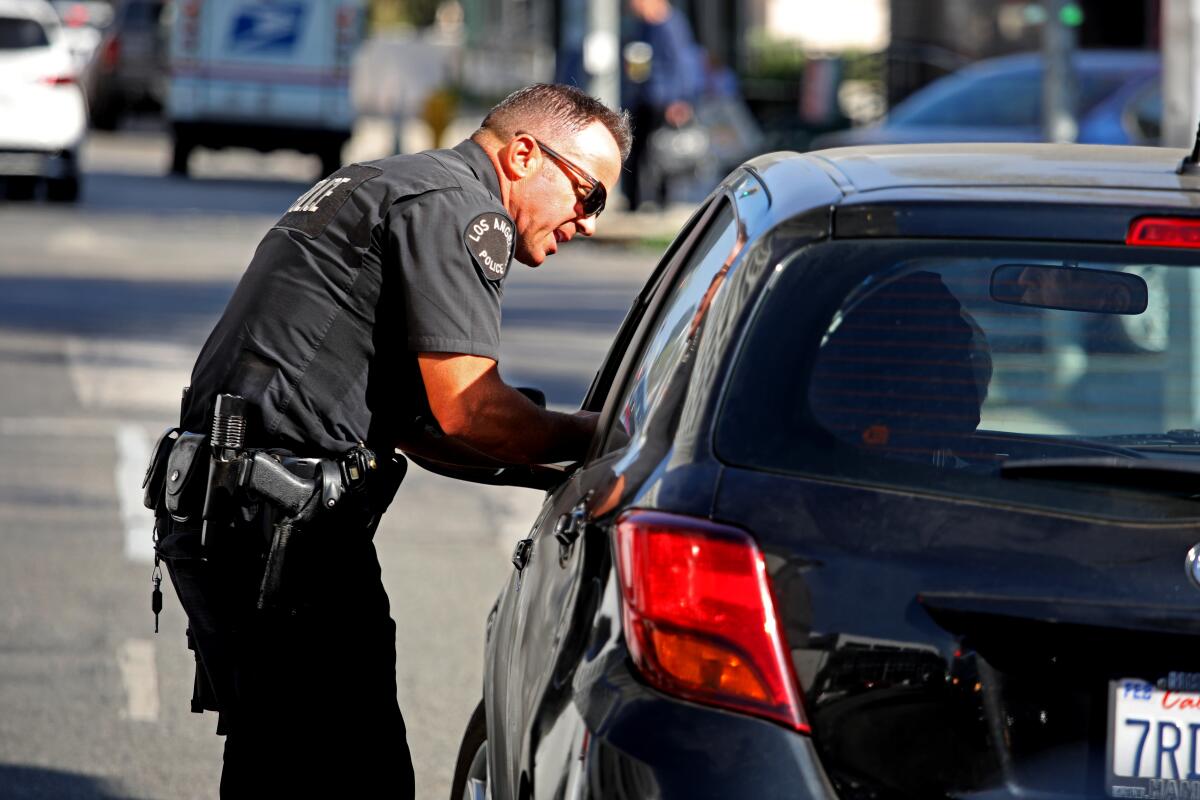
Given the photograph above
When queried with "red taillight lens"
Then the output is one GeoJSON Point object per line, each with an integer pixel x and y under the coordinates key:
{"type": "Point", "coordinates": [1164, 232]}
{"type": "Point", "coordinates": [58, 80]}
{"type": "Point", "coordinates": [700, 618]}
{"type": "Point", "coordinates": [111, 53]}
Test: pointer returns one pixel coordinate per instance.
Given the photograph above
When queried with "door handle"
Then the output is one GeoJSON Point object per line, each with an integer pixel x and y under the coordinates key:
{"type": "Point", "coordinates": [521, 553]}
{"type": "Point", "coordinates": [569, 526]}
{"type": "Point", "coordinates": [568, 530]}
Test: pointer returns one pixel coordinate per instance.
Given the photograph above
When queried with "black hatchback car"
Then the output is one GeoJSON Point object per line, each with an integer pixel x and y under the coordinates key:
{"type": "Point", "coordinates": [896, 495]}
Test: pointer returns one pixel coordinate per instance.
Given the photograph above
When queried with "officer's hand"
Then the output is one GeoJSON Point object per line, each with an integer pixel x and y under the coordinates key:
{"type": "Point", "coordinates": [588, 418]}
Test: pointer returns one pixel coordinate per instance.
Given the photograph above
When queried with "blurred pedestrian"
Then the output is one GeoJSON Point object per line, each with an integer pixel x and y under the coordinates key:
{"type": "Point", "coordinates": [663, 80]}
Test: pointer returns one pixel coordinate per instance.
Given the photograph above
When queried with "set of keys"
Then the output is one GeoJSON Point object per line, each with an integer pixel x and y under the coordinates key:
{"type": "Point", "coordinates": [156, 595]}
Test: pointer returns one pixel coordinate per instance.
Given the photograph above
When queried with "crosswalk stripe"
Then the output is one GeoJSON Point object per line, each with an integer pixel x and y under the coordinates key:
{"type": "Point", "coordinates": [133, 453]}
{"type": "Point", "coordinates": [135, 657]}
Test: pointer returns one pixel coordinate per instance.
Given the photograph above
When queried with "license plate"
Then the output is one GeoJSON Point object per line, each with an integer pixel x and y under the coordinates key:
{"type": "Point", "coordinates": [1153, 741]}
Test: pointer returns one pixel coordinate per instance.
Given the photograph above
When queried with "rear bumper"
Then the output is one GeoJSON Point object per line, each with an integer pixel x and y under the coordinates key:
{"type": "Point", "coordinates": [639, 743]}
{"type": "Point", "coordinates": [264, 138]}
{"type": "Point", "coordinates": [37, 164]}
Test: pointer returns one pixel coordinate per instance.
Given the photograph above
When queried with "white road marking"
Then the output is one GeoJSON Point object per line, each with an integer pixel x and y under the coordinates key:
{"type": "Point", "coordinates": [71, 427]}
{"type": "Point", "coordinates": [139, 675]}
{"type": "Point", "coordinates": [123, 374]}
{"type": "Point", "coordinates": [133, 453]}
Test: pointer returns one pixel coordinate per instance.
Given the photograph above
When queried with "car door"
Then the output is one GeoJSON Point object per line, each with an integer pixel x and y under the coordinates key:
{"type": "Point", "coordinates": [533, 614]}
{"type": "Point", "coordinates": [562, 562]}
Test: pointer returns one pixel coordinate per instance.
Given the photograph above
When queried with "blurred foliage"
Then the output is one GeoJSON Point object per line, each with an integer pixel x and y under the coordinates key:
{"type": "Point", "coordinates": [859, 66]}
{"type": "Point", "coordinates": [771, 58]}
{"type": "Point", "coordinates": [387, 14]}
{"type": "Point", "coordinates": [438, 112]}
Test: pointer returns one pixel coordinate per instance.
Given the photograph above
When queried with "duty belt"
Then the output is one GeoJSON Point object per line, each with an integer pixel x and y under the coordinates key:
{"type": "Point", "coordinates": [297, 488]}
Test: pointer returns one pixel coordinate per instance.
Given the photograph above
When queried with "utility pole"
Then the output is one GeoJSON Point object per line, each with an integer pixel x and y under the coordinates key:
{"type": "Point", "coordinates": [1181, 59]}
{"type": "Point", "coordinates": [1059, 85]}
{"type": "Point", "coordinates": [602, 51]}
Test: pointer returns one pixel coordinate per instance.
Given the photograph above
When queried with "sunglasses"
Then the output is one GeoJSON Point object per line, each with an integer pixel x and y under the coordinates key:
{"type": "Point", "coordinates": [593, 201]}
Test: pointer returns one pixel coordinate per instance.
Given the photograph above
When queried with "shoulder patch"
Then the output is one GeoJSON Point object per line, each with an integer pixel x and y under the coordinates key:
{"type": "Point", "coordinates": [489, 237]}
{"type": "Point", "coordinates": [312, 211]}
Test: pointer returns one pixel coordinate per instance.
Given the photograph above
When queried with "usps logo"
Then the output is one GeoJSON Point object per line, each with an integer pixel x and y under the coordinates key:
{"type": "Point", "coordinates": [267, 28]}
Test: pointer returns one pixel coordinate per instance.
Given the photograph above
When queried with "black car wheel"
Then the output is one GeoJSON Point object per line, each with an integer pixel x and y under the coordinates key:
{"type": "Point", "coordinates": [104, 114]}
{"type": "Point", "coordinates": [63, 190]}
{"type": "Point", "coordinates": [470, 771]}
{"type": "Point", "coordinates": [331, 160]}
{"type": "Point", "coordinates": [19, 188]}
{"type": "Point", "coordinates": [180, 152]}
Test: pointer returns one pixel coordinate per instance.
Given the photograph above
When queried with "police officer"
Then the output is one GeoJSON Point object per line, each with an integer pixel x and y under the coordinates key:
{"type": "Point", "coordinates": [370, 313]}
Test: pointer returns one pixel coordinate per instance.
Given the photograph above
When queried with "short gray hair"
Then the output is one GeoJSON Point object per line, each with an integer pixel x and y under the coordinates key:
{"type": "Point", "coordinates": [559, 108]}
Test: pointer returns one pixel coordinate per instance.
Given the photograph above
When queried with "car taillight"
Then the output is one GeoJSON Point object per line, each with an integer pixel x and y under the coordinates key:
{"type": "Point", "coordinates": [700, 618]}
{"type": "Point", "coordinates": [58, 80]}
{"type": "Point", "coordinates": [111, 53]}
{"type": "Point", "coordinates": [1164, 232]}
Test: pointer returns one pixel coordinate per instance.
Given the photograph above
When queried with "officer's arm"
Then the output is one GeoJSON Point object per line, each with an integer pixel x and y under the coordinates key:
{"type": "Point", "coordinates": [478, 410]}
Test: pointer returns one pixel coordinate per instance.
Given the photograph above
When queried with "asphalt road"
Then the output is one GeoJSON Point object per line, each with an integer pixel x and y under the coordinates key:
{"type": "Point", "coordinates": [103, 307]}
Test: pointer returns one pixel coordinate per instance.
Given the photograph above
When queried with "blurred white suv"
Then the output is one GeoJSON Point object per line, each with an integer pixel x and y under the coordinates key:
{"type": "Point", "coordinates": [43, 117]}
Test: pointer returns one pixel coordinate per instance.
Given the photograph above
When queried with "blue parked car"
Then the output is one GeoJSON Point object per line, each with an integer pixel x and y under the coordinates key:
{"type": "Point", "coordinates": [1000, 100]}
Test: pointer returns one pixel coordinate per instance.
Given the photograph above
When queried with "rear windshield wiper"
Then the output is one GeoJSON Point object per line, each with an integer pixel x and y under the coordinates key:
{"type": "Point", "coordinates": [1176, 439]}
{"type": "Point", "coordinates": [1164, 473]}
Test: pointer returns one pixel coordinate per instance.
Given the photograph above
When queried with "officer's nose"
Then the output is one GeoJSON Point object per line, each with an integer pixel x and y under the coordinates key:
{"type": "Point", "coordinates": [586, 226]}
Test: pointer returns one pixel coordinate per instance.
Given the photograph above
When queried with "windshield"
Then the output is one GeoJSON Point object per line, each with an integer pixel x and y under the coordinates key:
{"type": "Point", "coordinates": [931, 363]}
{"type": "Point", "coordinates": [1001, 99]}
{"type": "Point", "coordinates": [18, 33]}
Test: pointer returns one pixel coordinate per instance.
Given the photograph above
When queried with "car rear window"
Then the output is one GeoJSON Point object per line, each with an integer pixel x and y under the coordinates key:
{"type": "Point", "coordinates": [906, 364]}
{"type": "Point", "coordinates": [18, 33]}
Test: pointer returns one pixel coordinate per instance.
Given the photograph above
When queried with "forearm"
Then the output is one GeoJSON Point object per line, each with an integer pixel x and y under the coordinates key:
{"type": "Point", "coordinates": [443, 449]}
{"type": "Point", "coordinates": [477, 410]}
{"type": "Point", "coordinates": [505, 425]}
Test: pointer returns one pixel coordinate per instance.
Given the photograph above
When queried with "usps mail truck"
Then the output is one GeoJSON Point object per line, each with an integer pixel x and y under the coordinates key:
{"type": "Point", "coordinates": [263, 74]}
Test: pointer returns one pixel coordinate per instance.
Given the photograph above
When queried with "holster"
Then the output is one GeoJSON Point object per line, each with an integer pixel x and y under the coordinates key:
{"type": "Point", "coordinates": [221, 590]}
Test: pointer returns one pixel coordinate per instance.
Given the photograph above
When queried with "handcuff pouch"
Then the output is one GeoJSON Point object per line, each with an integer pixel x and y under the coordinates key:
{"type": "Point", "coordinates": [186, 468]}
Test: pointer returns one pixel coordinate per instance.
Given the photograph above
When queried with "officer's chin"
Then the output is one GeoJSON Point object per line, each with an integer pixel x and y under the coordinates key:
{"type": "Point", "coordinates": [527, 258]}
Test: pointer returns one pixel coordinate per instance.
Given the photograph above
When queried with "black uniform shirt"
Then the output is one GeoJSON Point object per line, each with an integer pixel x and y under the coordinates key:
{"type": "Point", "coordinates": [374, 264]}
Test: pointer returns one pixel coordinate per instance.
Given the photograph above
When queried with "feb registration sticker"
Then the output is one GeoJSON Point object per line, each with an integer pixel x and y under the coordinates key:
{"type": "Point", "coordinates": [1154, 738]}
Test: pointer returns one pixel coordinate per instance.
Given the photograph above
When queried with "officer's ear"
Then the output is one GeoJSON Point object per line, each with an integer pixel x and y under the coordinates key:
{"type": "Point", "coordinates": [520, 158]}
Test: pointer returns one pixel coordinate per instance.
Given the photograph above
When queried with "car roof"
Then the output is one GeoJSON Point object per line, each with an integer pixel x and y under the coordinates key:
{"type": "Point", "coordinates": [40, 10]}
{"type": "Point", "coordinates": [1083, 59]}
{"type": "Point", "coordinates": [1081, 192]}
{"type": "Point", "coordinates": [867, 169]}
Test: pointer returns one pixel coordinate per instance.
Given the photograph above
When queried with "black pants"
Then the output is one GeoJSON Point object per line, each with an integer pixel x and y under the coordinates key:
{"type": "Point", "coordinates": [644, 181]}
{"type": "Point", "coordinates": [308, 699]}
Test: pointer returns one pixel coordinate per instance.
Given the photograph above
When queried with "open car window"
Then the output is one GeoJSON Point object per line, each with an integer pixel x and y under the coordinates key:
{"type": "Point", "coordinates": [626, 336]}
{"type": "Point", "coordinates": [917, 370]}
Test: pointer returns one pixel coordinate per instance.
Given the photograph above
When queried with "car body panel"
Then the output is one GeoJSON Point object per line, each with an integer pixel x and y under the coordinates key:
{"type": "Point", "coordinates": [1000, 164]}
{"type": "Point", "coordinates": [972, 577]}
